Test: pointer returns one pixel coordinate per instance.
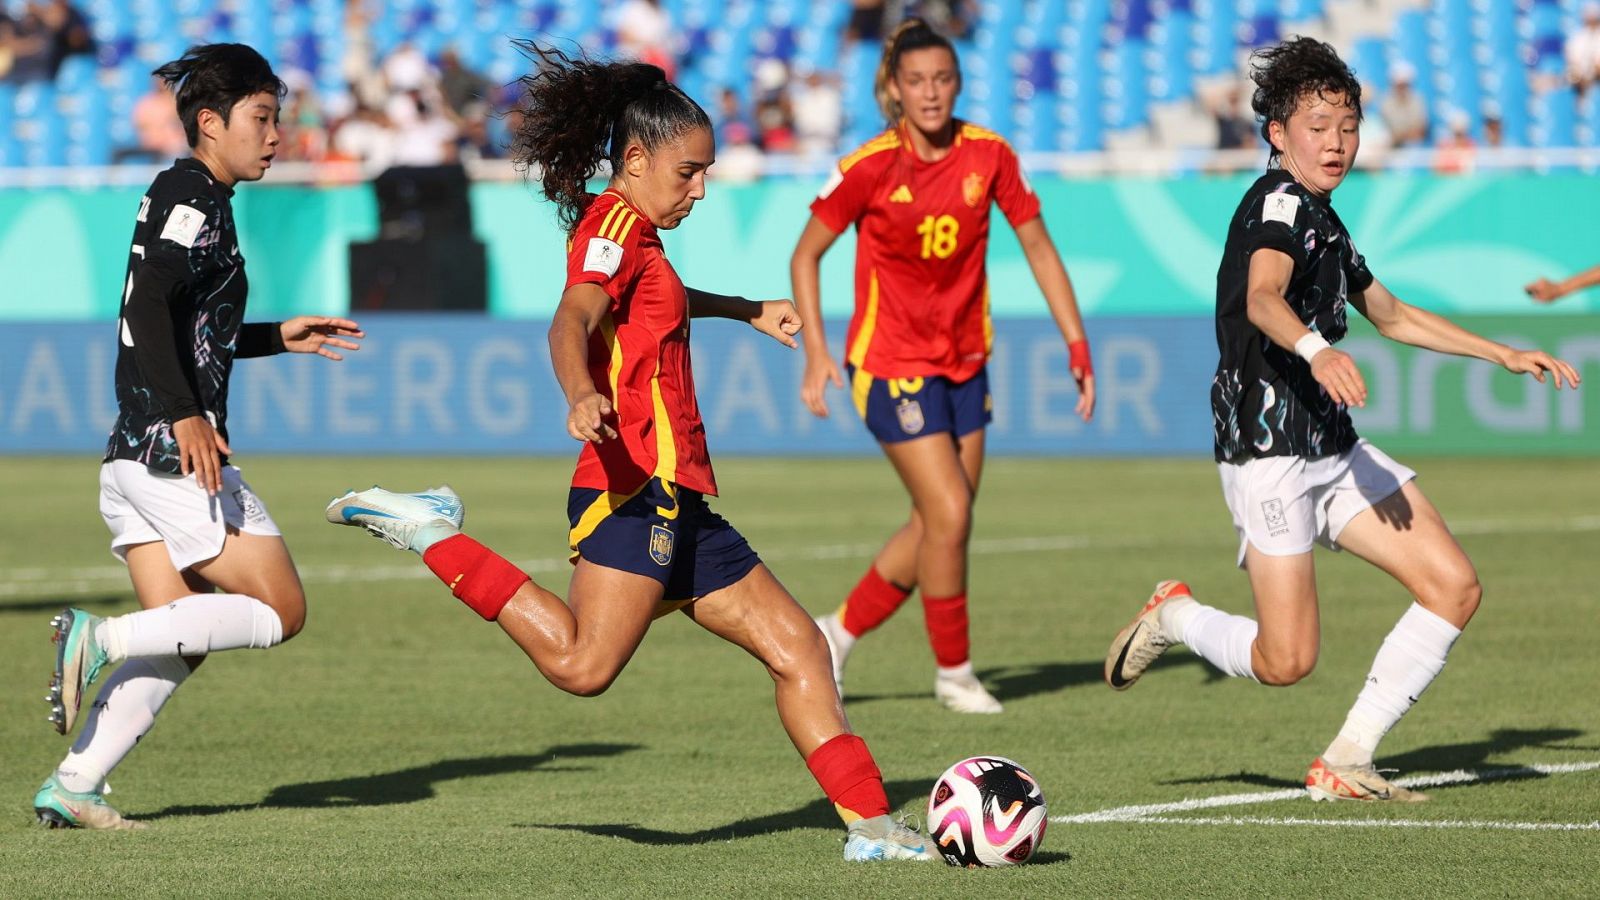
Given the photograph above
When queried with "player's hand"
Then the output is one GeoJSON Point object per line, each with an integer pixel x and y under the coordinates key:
{"type": "Point", "coordinates": [1338, 375]}
{"type": "Point", "coordinates": [1085, 407]}
{"type": "Point", "coordinates": [1538, 362]}
{"type": "Point", "coordinates": [315, 334]}
{"type": "Point", "coordinates": [586, 420]}
{"type": "Point", "coordinates": [200, 450]}
{"type": "Point", "coordinates": [820, 371]}
{"type": "Point", "coordinates": [1544, 290]}
{"type": "Point", "coordinates": [778, 320]}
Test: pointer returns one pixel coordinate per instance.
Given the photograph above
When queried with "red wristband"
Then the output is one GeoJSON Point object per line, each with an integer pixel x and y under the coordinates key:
{"type": "Point", "coordinates": [1078, 356]}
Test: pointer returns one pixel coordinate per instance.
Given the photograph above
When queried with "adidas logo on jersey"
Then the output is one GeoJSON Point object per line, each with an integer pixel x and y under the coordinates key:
{"type": "Point", "coordinates": [902, 194]}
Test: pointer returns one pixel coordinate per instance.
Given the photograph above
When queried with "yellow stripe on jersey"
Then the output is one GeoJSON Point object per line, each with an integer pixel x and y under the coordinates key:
{"type": "Point", "coordinates": [624, 226]}
{"type": "Point", "coordinates": [973, 132]}
{"type": "Point", "coordinates": [869, 322]}
{"type": "Point", "coordinates": [889, 140]}
{"type": "Point", "coordinates": [988, 322]}
{"type": "Point", "coordinates": [610, 215]}
{"type": "Point", "coordinates": [604, 505]}
{"type": "Point", "coordinates": [666, 447]}
{"type": "Point", "coordinates": [608, 334]}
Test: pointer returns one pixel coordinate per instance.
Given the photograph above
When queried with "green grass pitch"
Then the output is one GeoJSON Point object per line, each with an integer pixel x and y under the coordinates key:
{"type": "Point", "coordinates": [402, 747]}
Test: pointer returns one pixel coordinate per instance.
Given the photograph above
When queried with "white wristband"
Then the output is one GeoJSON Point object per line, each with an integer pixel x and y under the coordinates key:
{"type": "Point", "coordinates": [1310, 345]}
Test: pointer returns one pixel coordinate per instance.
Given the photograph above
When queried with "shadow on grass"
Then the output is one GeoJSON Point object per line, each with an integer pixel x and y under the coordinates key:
{"type": "Point", "coordinates": [1470, 756]}
{"type": "Point", "coordinates": [1017, 682]}
{"type": "Point", "coordinates": [818, 813]}
{"type": "Point", "coordinates": [406, 785]}
{"type": "Point", "coordinates": [56, 604]}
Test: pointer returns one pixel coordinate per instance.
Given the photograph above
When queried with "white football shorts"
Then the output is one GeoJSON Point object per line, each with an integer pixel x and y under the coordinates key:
{"type": "Point", "coordinates": [141, 506]}
{"type": "Point", "coordinates": [1284, 504]}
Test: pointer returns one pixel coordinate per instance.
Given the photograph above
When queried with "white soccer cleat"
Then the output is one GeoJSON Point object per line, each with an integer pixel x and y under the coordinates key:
{"type": "Point", "coordinates": [965, 694]}
{"type": "Point", "coordinates": [397, 517]}
{"type": "Point", "coordinates": [1142, 642]}
{"type": "Point", "coordinates": [1328, 783]}
{"type": "Point", "coordinates": [840, 643]}
{"type": "Point", "coordinates": [57, 807]}
{"type": "Point", "coordinates": [881, 838]}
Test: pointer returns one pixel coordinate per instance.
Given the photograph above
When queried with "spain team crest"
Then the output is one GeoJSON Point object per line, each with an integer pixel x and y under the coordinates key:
{"type": "Point", "coordinates": [660, 545]}
{"type": "Point", "coordinates": [910, 413]}
{"type": "Point", "coordinates": [972, 189]}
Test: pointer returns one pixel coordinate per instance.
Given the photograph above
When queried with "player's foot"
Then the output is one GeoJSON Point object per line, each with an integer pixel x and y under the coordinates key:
{"type": "Point", "coordinates": [1325, 782]}
{"type": "Point", "coordinates": [58, 807]}
{"type": "Point", "coordinates": [965, 694]}
{"type": "Point", "coordinates": [1142, 641]}
{"type": "Point", "coordinates": [839, 644]}
{"type": "Point", "coordinates": [882, 838]}
{"type": "Point", "coordinates": [398, 518]}
{"type": "Point", "coordinates": [79, 659]}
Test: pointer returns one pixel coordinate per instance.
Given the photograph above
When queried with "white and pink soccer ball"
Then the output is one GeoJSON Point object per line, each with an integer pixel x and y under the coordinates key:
{"type": "Point", "coordinates": [986, 811]}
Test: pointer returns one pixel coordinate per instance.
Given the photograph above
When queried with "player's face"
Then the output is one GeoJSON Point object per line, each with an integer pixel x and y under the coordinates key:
{"type": "Point", "coordinates": [1319, 142]}
{"type": "Point", "coordinates": [673, 177]}
{"type": "Point", "coordinates": [247, 143]}
{"type": "Point", "coordinates": [925, 84]}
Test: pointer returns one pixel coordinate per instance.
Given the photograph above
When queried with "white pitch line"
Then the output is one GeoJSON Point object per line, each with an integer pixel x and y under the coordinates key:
{"type": "Point", "coordinates": [90, 579]}
{"type": "Point", "coordinates": [1374, 823]}
{"type": "Point", "coordinates": [1152, 811]}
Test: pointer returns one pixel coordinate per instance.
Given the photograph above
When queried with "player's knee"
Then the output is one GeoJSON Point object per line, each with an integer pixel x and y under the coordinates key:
{"type": "Point", "coordinates": [1454, 594]}
{"type": "Point", "coordinates": [1284, 669]}
{"type": "Point", "coordinates": [949, 520]}
{"type": "Point", "coordinates": [582, 680]}
{"type": "Point", "coordinates": [290, 605]}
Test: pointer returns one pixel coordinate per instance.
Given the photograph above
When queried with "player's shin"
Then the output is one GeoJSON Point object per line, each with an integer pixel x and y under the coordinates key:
{"type": "Point", "coordinates": [122, 714]}
{"type": "Point", "coordinates": [1411, 657]}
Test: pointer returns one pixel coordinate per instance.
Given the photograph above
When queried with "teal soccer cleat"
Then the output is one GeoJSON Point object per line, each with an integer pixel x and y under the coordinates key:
{"type": "Point", "coordinates": [79, 659]}
{"type": "Point", "coordinates": [58, 807]}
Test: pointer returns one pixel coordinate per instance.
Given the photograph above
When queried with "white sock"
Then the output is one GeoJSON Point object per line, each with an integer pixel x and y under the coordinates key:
{"type": "Point", "coordinates": [191, 626]}
{"type": "Point", "coordinates": [1411, 657]}
{"type": "Point", "coordinates": [957, 673]}
{"type": "Point", "coordinates": [842, 638]}
{"type": "Point", "coordinates": [123, 713]}
{"type": "Point", "coordinates": [1219, 638]}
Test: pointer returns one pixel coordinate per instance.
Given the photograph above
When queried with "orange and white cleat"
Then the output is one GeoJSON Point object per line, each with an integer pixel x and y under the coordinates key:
{"type": "Point", "coordinates": [1325, 782]}
{"type": "Point", "coordinates": [1142, 641]}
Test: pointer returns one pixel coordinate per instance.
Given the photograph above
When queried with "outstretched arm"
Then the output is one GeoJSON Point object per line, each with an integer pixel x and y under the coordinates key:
{"type": "Point", "coordinates": [1056, 286]}
{"type": "Point", "coordinates": [805, 268]}
{"type": "Point", "coordinates": [1268, 310]}
{"type": "Point", "coordinates": [301, 334]}
{"type": "Point", "coordinates": [1400, 321]}
{"type": "Point", "coordinates": [578, 315]}
{"type": "Point", "coordinates": [775, 318]}
{"type": "Point", "coordinates": [1546, 291]}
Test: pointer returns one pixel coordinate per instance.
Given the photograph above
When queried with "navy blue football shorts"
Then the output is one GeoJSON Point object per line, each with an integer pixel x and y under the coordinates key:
{"type": "Point", "coordinates": [899, 409]}
{"type": "Point", "coordinates": [661, 531]}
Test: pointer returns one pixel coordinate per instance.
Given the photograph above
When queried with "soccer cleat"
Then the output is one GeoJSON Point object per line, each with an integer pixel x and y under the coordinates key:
{"type": "Point", "coordinates": [1142, 641]}
{"type": "Point", "coordinates": [882, 838]}
{"type": "Point", "coordinates": [58, 807]}
{"type": "Point", "coordinates": [79, 659]}
{"type": "Point", "coordinates": [965, 695]}
{"type": "Point", "coordinates": [394, 517]}
{"type": "Point", "coordinates": [1325, 782]}
{"type": "Point", "coordinates": [839, 643]}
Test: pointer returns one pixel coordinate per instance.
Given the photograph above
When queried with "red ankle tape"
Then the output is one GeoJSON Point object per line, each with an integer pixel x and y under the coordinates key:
{"type": "Point", "coordinates": [476, 575]}
{"type": "Point", "coordinates": [848, 775]}
{"type": "Point", "coordinates": [946, 618]}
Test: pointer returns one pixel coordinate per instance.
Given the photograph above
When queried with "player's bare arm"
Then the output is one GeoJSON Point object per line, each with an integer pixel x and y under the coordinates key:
{"type": "Point", "coordinates": [1270, 271]}
{"type": "Point", "coordinates": [1056, 285]}
{"type": "Point", "coordinates": [1544, 290]}
{"type": "Point", "coordinates": [1400, 321]}
{"type": "Point", "coordinates": [578, 315]}
{"type": "Point", "coordinates": [805, 276]}
{"type": "Point", "coordinates": [775, 318]}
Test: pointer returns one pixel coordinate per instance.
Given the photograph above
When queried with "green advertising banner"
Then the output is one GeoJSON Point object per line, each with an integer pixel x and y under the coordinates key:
{"type": "Point", "coordinates": [1134, 246]}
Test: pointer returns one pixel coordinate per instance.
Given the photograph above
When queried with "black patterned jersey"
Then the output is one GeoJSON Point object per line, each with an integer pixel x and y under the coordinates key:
{"type": "Point", "coordinates": [182, 316]}
{"type": "Point", "coordinates": [1264, 401]}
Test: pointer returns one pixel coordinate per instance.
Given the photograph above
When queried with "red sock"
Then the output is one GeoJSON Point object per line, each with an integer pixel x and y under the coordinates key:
{"type": "Point", "coordinates": [478, 576]}
{"type": "Point", "coordinates": [947, 628]}
{"type": "Point", "coordinates": [844, 767]}
{"type": "Point", "coordinates": [871, 604]}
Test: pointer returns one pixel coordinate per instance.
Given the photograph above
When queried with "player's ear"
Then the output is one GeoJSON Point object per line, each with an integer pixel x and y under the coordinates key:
{"type": "Point", "coordinates": [1275, 132]}
{"type": "Point", "coordinates": [635, 159]}
{"type": "Point", "coordinates": [211, 124]}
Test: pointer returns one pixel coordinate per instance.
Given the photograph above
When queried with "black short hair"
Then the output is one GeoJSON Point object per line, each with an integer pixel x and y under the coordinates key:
{"type": "Point", "coordinates": [1287, 73]}
{"type": "Point", "coordinates": [216, 77]}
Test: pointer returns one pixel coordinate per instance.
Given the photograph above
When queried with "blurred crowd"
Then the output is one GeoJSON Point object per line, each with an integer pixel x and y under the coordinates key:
{"type": "Point", "coordinates": [34, 44]}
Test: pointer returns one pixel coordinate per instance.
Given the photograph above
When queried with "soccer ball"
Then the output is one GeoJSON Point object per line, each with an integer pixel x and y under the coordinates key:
{"type": "Point", "coordinates": [986, 811]}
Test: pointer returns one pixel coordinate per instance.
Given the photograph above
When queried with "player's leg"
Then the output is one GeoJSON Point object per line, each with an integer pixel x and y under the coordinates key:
{"type": "Point", "coordinates": [582, 648]}
{"type": "Point", "coordinates": [125, 709]}
{"type": "Point", "coordinates": [759, 615]}
{"type": "Point", "coordinates": [1405, 536]}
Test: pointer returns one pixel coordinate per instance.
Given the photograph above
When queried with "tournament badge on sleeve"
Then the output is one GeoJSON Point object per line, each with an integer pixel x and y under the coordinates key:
{"type": "Point", "coordinates": [661, 545]}
{"type": "Point", "coordinates": [910, 413]}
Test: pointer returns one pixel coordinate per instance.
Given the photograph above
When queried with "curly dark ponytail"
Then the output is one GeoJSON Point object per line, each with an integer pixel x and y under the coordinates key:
{"type": "Point", "coordinates": [577, 113]}
{"type": "Point", "coordinates": [1288, 72]}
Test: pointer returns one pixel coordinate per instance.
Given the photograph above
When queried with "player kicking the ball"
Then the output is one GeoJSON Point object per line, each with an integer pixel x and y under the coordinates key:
{"type": "Point", "coordinates": [644, 541]}
{"type": "Point", "coordinates": [182, 537]}
{"type": "Point", "coordinates": [1294, 473]}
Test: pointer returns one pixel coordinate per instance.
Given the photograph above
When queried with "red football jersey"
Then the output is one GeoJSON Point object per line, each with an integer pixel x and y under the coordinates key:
{"type": "Point", "coordinates": [639, 356]}
{"type": "Point", "coordinates": [922, 231]}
